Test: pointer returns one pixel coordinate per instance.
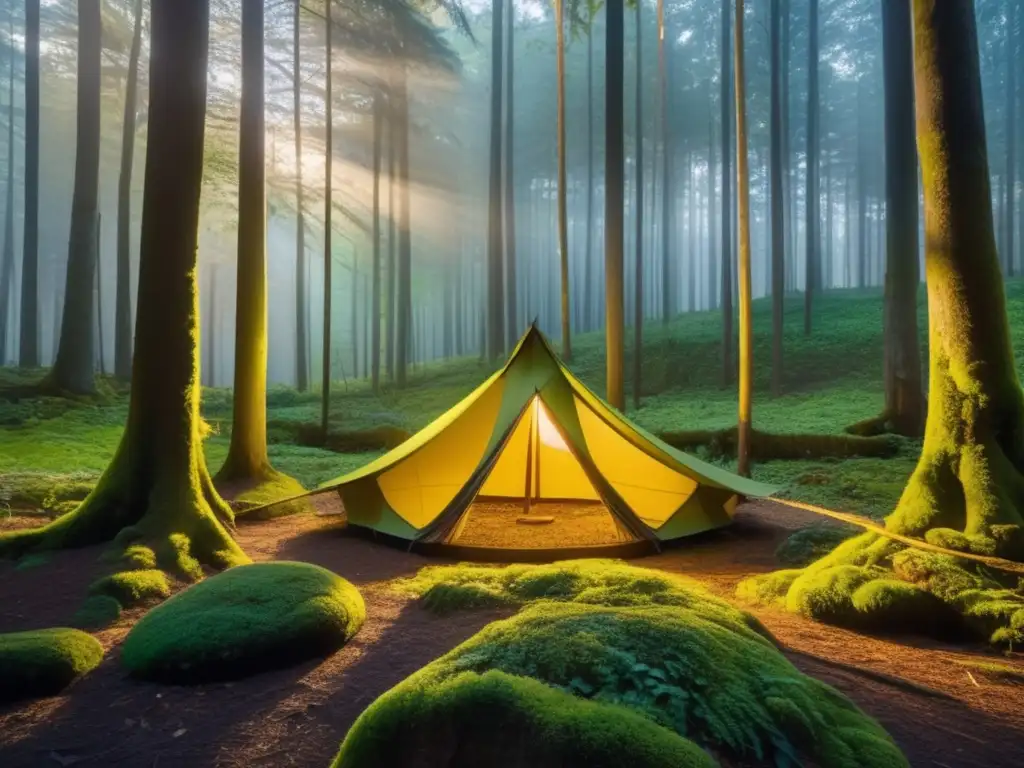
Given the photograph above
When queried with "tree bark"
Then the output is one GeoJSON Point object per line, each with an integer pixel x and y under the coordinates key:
{"type": "Point", "coordinates": [512, 329]}
{"type": "Point", "coordinates": [777, 204]}
{"type": "Point", "coordinates": [123, 299]}
{"type": "Point", "coordinates": [391, 326]}
{"type": "Point", "coordinates": [325, 372]}
{"type": "Point", "coordinates": [812, 257]}
{"type": "Point", "coordinates": [375, 291]}
{"type": "Point", "coordinates": [788, 206]}
{"type": "Point", "coordinates": [666, 166]}
{"type": "Point", "coordinates": [588, 256]}
{"type": "Point", "coordinates": [613, 204]}
{"type": "Point", "coordinates": [403, 339]}
{"type": "Point", "coordinates": [73, 369]}
{"type": "Point", "coordinates": [969, 474]}
{"type": "Point", "coordinates": [301, 311]}
{"type": "Point", "coordinates": [29, 348]}
{"type": "Point", "coordinates": [724, 119]}
{"type": "Point", "coordinates": [495, 259]}
{"type": "Point", "coordinates": [1011, 132]}
{"type": "Point", "coordinates": [745, 351]}
{"type": "Point", "coordinates": [563, 216]}
{"type": "Point", "coordinates": [247, 454]}
{"type": "Point", "coordinates": [638, 279]}
{"type": "Point", "coordinates": [7, 270]}
{"type": "Point", "coordinates": [156, 488]}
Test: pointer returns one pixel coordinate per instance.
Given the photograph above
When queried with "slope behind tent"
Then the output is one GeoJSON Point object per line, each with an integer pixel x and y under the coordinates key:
{"type": "Point", "coordinates": [529, 439]}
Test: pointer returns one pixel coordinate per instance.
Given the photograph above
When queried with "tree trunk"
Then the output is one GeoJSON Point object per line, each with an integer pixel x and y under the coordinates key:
{"type": "Point", "coordinates": [403, 338]}
{"type": "Point", "coordinates": [375, 291]}
{"type": "Point", "coordinates": [391, 328]}
{"type": "Point", "coordinates": [666, 165]}
{"type": "Point", "coordinates": [691, 235]}
{"type": "Point", "coordinates": [862, 194]}
{"type": "Point", "coordinates": [247, 461]}
{"type": "Point", "coordinates": [29, 348]}
{"type": "Point", "coordinates": [638, 280]}
{"type": "Point", "coordinates": [1011, 131]}
{"type": "Point", "coordinates": [745, 351]}
{"type": "Point", "coordinates": [73, 369]}
{"type": "Point", "coordinates": [512, 329]}
{"type": "Point", "coordinates": [156, 487]}
{"type": "Point", "coordinates": [588, 256]}
{"type": "Point", "coordinates": [778, 201]}
{"type": "Point", "coordinates": [123, 300]}
{"type": "Point", "coordinates": [563, 217]}
{"type": "Point", "coordinates": [812, 256]}
{"type": "Point", "coordinates": [210, 366]}
{"type": "Point", "coordinates": [788, 233]}
{"type": "Point", "coordinates": [301, 312]}
{"type": "Point", "coordinates": [613, 203]}
{"type": "Point", "coordinates": [724, 119]}
{"type": "Point", "coordinates": [495, 259]}
{"type": "Point", "coordinates": [826, 272]}
{"type": "Point", "coordinates": [100, 360]}
{"type": "Point", "coordinates": [325, 373]}
{"type": "Point", "coordinates": [7, 270]}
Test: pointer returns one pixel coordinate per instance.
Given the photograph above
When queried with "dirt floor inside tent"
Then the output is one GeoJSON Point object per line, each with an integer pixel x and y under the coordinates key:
{"type": "Point", "coordinates": [940, 715]}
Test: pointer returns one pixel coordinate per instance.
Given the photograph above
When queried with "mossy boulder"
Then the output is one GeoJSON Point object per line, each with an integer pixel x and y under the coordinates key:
{"type": "Point", "coordinates": [96, 612]}
{"type": "Point", "coordinates": [693, 664]}
{"type": "Point", "coordinates": [244, 621]}
{"type": "Point", "coordinates": [44, 662]}
{"type": "Point", "coordinates": [496, 719]}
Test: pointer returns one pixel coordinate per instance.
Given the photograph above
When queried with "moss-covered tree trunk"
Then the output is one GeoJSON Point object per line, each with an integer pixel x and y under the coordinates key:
{"type": "Point", "coordinates": [73, 367]}
{"type": "Point", "coordinates": [969, 475]}
{"type": "Point", "coordinates": [157, 488]}
{"type": "Point", "coordinates": [123, 299]}
{"type": "Point", "coordinates": [247, 455]}
{"type": "Point", "coordinates": [613, 205]}
{"type": "Point", "coordinates": [28, 351]}
{"type": "Point", "coordinates": [745, 350]}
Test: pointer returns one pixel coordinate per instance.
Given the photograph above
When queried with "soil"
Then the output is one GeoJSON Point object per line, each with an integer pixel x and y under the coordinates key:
{"type": "Point", "coordinates": [919, 690]}
{"type": "Point", "coordinates": [500, 524]}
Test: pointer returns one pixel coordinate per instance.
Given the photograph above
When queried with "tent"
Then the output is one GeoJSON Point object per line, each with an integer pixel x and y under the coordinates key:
{"type": "Point", "coordinates": [533, 460]}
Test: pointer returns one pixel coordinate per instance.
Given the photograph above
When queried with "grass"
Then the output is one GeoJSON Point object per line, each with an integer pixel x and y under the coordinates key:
{"type": "Point", "coordinates": [994, 672]}
{"type": "Point", "coordinates": [670, 652]}
{"type": "Point", "coordinates": [44, 662]}
{"type": "Point", "coordinates": [808, 544]}
{"type": "Point", "coordinates": [499, 719]}
{"type": "Point", "coordinates": [243, 621]}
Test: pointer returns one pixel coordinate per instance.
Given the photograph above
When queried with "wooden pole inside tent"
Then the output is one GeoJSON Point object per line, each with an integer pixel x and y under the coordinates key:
{"type": "Point", "coordinates": [528, 489]}
{"type": "Point", "coordinates": [535, 439]}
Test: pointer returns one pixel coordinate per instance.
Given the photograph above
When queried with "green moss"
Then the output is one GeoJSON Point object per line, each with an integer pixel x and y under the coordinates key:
{"type": "Point", "coordinates": [97, 611]}
{"type": "Point", "coordinates": [768, 588]}
{"type": "Point", "coordinates": [131, 588]}
{"type": "Point", "coordinates": [44, 662]}
{"type": "Point", "coordinates": [717, 683]}
{"type": "Point", "coordinates": [243, 621]}
{"type": "Point", "coordinates": [894, 605]}
{"type": "Point", "coordinates": [495, 719]}
{"type": "Point", "coordinates": [593, 581]}
{"type": "Point", "coordinates": [33, 561]}
{"type": "Point", "coordinates": [808, 544]}
{"type": "Point", "coordinates": [139, 557]}
{"type": "Point", "coordinates": [276, 487]}
{"type": "Point", "coordinates": [827, 594]}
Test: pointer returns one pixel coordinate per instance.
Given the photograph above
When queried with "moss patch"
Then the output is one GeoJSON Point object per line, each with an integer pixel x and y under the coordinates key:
{"type": "Point", "coordinates": [97, 611]}
{"type": "Point", "coordinates": [246, 620]}
{"type": "Point", "coordinates": [131, 588]}
{"type": "Point", "coordinates": [44, 662]}
{"type": "Point", "coordinates": [496, 719]}
{"type": "Point", "coordinates": [717, 683]}
{"type": "Point", "coordinates": [251, 503]}
{"type": "Point", "coordinates": [593, 582]}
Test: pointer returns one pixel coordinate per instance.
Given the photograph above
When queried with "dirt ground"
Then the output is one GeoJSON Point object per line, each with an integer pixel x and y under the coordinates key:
{"type": "Point", "coordinates": [940, 715]}
{"type": "Point", "coordinates": [499, 524]}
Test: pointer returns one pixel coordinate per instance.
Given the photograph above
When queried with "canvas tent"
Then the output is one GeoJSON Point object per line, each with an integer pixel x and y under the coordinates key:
{"type": "Point", "coordinates": [533, 435]}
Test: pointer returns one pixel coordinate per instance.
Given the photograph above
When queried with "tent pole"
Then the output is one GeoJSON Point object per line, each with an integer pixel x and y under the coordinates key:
{"type": "Point", "coordinates": [528, 490]}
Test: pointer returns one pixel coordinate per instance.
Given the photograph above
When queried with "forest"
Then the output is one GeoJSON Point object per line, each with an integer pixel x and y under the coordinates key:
{"type": "Point", "coordinates": [446, 383]}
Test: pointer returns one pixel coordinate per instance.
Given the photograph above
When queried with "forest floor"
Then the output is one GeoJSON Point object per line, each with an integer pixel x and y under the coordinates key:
{"type": "Point", "coordinates": [936, 700]}
{"type": "Point", "coordinates": [941, 703]}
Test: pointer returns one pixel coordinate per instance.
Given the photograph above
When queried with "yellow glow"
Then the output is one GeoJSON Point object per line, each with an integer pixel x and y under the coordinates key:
{"type": "Point", "coordinates": [549, 434]}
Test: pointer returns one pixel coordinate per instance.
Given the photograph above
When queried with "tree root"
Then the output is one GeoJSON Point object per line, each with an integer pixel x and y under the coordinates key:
{"type": "Point", "coordinates": [382, 438]}
{"type": "Point", "coordinates": [766, 446]}
{"type": "Point", "coordinates": [884, 423]}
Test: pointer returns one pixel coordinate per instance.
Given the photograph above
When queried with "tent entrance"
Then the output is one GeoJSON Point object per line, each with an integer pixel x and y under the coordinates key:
{"type": "Point", "coordinates": [537, 495]}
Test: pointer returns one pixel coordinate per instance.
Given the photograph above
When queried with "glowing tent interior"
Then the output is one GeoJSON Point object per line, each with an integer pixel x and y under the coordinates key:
{"type": "Point", "coordinates": [533, 460]}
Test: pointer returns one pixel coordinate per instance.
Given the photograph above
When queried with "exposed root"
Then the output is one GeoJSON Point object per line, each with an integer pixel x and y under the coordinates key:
{"type": "Point", "coordinates": [267, 497]}
{"type": "Point", "coordinates": [766, 446]}
{"type": "Point", "coordinates": [886, 423]}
